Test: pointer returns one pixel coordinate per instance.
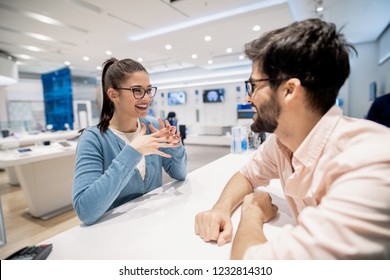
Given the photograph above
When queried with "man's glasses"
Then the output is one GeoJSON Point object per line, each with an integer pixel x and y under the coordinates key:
{"type": "Point", "coordinates": [250, 84]}
{"type": "Point", "coordinates": [139, 92]}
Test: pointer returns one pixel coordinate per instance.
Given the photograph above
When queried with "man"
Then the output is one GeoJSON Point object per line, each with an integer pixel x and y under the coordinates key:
{"type": "Point", "coordinates": [334, 170]}
{"type": "Point", "coordinates": [380, 110]}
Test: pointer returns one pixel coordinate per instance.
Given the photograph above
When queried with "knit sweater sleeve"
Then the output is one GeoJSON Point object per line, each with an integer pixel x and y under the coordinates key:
{"type": "Point", "coordinates": [176, 166]}
{"type": "Point", "coordinates": [96, 187]}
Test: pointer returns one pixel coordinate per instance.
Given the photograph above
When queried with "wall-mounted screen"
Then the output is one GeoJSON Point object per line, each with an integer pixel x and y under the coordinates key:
{"type": "Point", "coordinates": [213, 95]}
{"type": "Point", "coordinates": [176, 98]}
{"type": "Point", "coordinates": [245, 111]}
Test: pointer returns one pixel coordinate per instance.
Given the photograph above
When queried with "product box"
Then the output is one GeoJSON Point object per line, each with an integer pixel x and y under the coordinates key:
{"type": "Point", "coordinates": [239, 142]}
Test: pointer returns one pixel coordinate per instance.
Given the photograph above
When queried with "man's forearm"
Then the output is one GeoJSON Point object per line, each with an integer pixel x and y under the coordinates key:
{"type": "Point", "coordinates": [249, 233]}
{"type": "Point", "coordinates": [233, 193]}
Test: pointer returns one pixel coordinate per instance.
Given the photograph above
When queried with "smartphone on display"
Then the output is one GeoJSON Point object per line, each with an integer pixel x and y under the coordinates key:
{"type": "Point", "coordinates": [24, 150]}
{"type": "Point", "coordinates": [64, 144]}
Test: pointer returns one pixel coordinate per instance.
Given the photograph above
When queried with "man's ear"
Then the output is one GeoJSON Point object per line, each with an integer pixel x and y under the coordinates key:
{"type": "Point", "coordinates": [293, 89]}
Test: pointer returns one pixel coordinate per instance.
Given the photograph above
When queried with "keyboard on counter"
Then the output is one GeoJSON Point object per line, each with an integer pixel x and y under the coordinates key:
{"type": "Point", "coordinates": [36, 252]}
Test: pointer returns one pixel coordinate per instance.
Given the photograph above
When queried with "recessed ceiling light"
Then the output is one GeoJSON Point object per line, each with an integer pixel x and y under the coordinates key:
{"type": "Point", "coordinates": [229, 50]}
{"type": "Point", "coordinates": [256, 28]}
{"type": "Point", "coordinates": [207, 38]}
{"type": "Point", "coordinates": [140, 59]}
{"type": "Point", "coordinates": [32, 48]}
{"type": "Point", "coordinates": [67, 63]}
{"type": "Point", "coordinates": [194, 56]}
{"type": "Point", "coordinates": [24, 56]}
{"type": "Point", "coordinates": [39, 36]}
{"type": "Point", "coordinates": [44, 19]}
{"type": "Point", "coordinates": [224, 14]}
{"type": "Point", "coordinates": [210, 62]}
{"type": "Point", "coordinates": [319, 9]}
{"type": "Point", "coordinates": [241, 57]}
{"type": "Point", "coordinates": [108, 52]}
{"type": "Point", "coordinates": [98, 68]}
{"type": "Point", "coordinates": [168, 47]}
{"type": "Point", "coordinates": [85, 58]}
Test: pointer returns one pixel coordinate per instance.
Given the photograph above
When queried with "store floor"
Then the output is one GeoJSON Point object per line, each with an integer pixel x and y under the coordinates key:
{"type": "Point", "coordinates": [22, 229]}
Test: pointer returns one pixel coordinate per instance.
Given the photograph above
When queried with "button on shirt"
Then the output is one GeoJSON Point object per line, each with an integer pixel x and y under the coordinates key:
{"type": "Point", "coordinates": [337, 186]}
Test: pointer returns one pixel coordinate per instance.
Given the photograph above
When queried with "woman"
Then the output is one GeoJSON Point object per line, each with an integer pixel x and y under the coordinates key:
{"type": "Point", "coordinates": [122, 157]}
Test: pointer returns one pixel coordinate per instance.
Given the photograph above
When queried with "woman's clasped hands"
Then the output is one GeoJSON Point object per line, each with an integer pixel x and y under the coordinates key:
{"type": "Point", "coordinates": [165, 137]}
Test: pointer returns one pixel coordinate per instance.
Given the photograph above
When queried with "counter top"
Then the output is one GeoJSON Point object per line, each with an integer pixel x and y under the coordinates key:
{"type": "Point", "coordinates": [160, 224]}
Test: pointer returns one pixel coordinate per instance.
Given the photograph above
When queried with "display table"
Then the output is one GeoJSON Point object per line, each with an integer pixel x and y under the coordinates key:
{"type": "Point", "coordinates": [45, 174]}
{"type": "Point", "coordinates": [160, 224]}
{"type": "Point", "coordinates": [27, 139]}
{"type": "Point", "coordinates": [12, 176]}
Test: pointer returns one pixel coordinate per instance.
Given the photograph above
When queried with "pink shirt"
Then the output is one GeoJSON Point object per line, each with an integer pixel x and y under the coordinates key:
{"type": "Point", "coordinates": [337, 186]}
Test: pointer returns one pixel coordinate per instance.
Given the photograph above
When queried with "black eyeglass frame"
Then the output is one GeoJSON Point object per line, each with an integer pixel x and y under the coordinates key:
{"type": "Point", "coordinates": [140, 88]}
{"type": "Point", "coordinates": [250, 83]}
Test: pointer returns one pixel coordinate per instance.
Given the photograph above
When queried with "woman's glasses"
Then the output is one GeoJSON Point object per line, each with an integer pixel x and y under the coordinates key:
{"type": "Point", "coordinates": [139, 92]}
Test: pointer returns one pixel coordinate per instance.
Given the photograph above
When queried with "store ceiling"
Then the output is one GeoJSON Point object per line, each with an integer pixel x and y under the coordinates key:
{"type": "Point", "coordinates": [81, 28]}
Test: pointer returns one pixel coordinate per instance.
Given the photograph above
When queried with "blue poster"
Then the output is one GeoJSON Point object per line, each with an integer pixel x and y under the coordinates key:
{"type": "Point", "coordinates": [57, 93]}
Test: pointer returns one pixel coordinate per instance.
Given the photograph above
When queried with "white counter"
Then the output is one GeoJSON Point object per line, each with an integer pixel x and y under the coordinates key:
{"type": "Point", "coordinates": [26, 139]}
{"type": "Point", "coordinates": [31, 154]}
{"type": "Point", "coordinates": [160, 224]}
{"type": "Point", "coordinates": [13, 142]}
{"type": "Point", "coordinates": [45, 174]}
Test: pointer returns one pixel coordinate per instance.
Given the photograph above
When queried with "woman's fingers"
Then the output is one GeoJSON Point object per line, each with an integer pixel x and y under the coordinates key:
{"type": "Point", "coordinates": [166, 134]}
{"type": "Point", "coordinates": [152, 128]}
{"type": "Point", "coordinates": [143, 129]}
{"type": "Point", "coordinates": [161, 123]}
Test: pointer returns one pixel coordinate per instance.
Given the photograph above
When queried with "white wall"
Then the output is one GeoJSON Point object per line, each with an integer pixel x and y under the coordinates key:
{"type": "Point", "coordinates": [26, 90]}
{"type": "Point", "coordinates": [344, 95]}
{"type": "Point", "coordinates": [26, 96]}
{"type": "Point", "coordinates": [384, 78]}
{"type": "Point", "coordinates": [31, 90]}
{"type": "Point", "coordinates": [364, 70]}
{"type": "Point", "coordinates": [210, 114]}
{"type": "Point", "coordinates": [3, 104]}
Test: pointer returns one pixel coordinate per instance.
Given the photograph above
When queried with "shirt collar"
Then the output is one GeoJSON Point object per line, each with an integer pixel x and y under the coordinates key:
{"type": "Point", "coordinates": [312, 146]}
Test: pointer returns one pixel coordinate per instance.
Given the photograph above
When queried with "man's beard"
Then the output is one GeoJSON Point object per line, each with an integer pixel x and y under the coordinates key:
{"type": "Point", "coordinates": [267, 116]}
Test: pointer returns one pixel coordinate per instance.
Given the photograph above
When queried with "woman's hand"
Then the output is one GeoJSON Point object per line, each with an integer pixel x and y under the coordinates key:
{"type": "Point", "coordinates": [163, 138]}
{"type": "Point", "coordinates": [170, 132]}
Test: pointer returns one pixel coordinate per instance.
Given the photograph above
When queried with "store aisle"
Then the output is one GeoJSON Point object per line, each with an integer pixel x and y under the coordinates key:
{"type": "Point", "coordinates": [23, 230]}
{"type": "Point", "coordinates": [199, 155]}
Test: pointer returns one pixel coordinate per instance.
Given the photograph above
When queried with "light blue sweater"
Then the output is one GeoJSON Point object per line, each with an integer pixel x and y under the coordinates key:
{"type": "Point", "coordinates": [106, 175]}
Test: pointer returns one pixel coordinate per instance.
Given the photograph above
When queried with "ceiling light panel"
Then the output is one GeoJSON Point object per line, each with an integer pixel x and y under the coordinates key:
{"type": "Point", "coordinates": [191, 40]}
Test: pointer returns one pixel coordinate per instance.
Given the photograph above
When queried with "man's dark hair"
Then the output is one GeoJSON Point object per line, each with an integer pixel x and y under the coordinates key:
{"type": "Point", "coordinates": [311, 51]}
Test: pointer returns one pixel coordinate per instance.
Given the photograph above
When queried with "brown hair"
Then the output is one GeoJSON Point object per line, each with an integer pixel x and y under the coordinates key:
{"type": "Point", "coordinates": [115, 72]}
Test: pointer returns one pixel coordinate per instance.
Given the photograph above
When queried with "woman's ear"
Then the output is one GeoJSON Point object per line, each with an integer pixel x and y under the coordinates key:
{"type": "Point", "coordinates": [112, 94]}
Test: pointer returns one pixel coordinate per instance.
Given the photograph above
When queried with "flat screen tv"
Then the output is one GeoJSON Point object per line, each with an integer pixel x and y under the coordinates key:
{"type": "Point", "coordinates": [176, 98]}
{"type": "Point", "coordinates": [213, 95]}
